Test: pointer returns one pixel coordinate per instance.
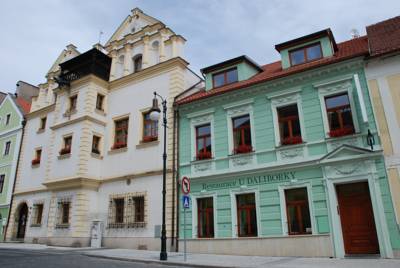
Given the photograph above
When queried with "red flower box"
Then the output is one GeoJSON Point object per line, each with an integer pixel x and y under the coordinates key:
{"type": "Point", "coordinates": [150, 138]}
{"type": "Point", "coordinates": [35, 162]}
{"type": "Point", "coordinates": [203, 155]}
{"type": "Point", "coordinates": [66, 150]}
{"type": "Point", "coordinates": [341, 132]}
{"type": "Point", "coordinates": [242, 149]}
{"type": "Point", "coordinates": [292, 140]}
{"type": "Point", "coordinates": [118, 145]}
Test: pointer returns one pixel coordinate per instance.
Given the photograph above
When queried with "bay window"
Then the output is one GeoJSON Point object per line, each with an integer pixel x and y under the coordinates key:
{"type": "Point", "coordinates": [205, 217]}
{"type": "Point", "coordinates": [241, 134]}
{"type": "Point", "coordinates": [339, 115]}
{"type": "Point", "coordinates": [246, 215]}
{"type": "Point", "coordinates": [203, 142]}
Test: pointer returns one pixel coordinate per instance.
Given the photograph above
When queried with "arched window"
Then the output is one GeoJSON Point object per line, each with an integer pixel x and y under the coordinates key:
{"type": "Point", "coordinates": [137, 63]}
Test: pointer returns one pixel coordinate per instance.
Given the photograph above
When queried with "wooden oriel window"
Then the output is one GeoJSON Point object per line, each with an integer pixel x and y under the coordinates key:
{"type": "Point", "coordinates": [150, 128]}
{"type": "Point", "coordinates": [305, 54]}
{"type": "Point", "coordinates": [38, 155]}
{"type": "Point", "coordinates": [73, 102]}
{"type": "Point", "coordinates": [139, 208]}
{"type": "Point", "coordinates": [205, 217]}
{"type": "Point", "coordinates": [246, 215]}
{"type": "Point", "coordinates": [43, 121]}
{"type": "Point", "coordinates": [339, 114]}
{"type": "Point", "coordinates": [38, 213]}
{"type": "Point", "coordinates": [121, 133]}
{"type": "Point", "coordinates": [137, 63]}
{"type": "Point", "coordinates": [203, 142]}
{"type": "Point", "coordinates": [297, 210]}
{"type": "Point", "coordinates": [289, 124]}
{"type": "Point", "coordinates": [241, 134]}
{"type": "Point", "coordinates": [2, 178]}
{"type": "Point", "coordinates": [119, 210]}
{"type": "Point", "coordinates": [96, 144]}
{"type": "Point", "coordinates": [225, 77]}
{"type": "Point", "coordinates": [7, 148]}
{"type": "Point", "coordinates": [65, 207]}
{"type": "Point", "coordinates": [67, 144]}
{"type": "Point", "coordinates": [100, 102]}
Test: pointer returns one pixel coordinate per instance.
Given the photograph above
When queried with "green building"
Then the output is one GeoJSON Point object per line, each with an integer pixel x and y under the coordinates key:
{"type": "Point", "coordinates": [12, 111]}
{"type": "Point", "coordinates": [285, 159]}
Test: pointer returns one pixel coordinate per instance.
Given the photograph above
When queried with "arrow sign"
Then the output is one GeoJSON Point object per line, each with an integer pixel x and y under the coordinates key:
{"type": "Point", "coordinates": [185, 185]}
{"type": "Point", "coordinates": [186, 201]}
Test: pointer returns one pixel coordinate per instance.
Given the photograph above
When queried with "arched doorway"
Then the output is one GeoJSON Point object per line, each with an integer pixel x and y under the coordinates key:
{"type": "Point", "coordinates": [22, 219]}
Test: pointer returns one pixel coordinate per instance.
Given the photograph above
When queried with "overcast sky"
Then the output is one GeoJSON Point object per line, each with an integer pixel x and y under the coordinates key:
{"type": "Point", "coordinates": [33, 33]}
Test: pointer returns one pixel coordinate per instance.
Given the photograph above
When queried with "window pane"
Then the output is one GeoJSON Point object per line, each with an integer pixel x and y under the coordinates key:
{"type": "Point", "coordinates": [219, 79]}
{"type": "Point", "coordinates": [299, 221]}
{"type": "Point", "coordinates": [241, 121]}
{"type": "Point", "coordinates": [247, 215]}
{"type": "Point", "coordinates": [314, 52]}
{"type": "Point", "coordinates": [297, 57]}
{"type": "Point", "coordinates": [231, 76]}
{"type": "Point", "coordinates": [205, 217]}
{"type": "Point", "coordinates": [203, 130]}
{"type": "Point", "coordinates": [336, 101]}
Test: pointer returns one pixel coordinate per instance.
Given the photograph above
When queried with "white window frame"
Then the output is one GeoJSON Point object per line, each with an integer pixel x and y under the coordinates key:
{"type": "Point", "coordinates": [338, 86]}
{"type": "Point", "coordinates": [238, 109]}
{"type": "Point", "coordinates": [199, 119]}
{"type": "Point", "coordinates": [282, 197]}
{"type": "Point", "coordinates": [282, 99]}
{"type": "Point", "coordinates": [195, 216]}
{"type": "Point", "coordinates": [234, 218]}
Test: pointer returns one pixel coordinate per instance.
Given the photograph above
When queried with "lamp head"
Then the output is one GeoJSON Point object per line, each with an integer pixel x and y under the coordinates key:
{"type": "Point", "coordinates": [155, 111]}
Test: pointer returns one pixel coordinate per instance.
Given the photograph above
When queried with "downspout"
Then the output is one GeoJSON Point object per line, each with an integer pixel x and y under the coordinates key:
{"type": "Point", "coordinates": [177, 178]}
{"type": "Point", "coordinates": [23, 123]}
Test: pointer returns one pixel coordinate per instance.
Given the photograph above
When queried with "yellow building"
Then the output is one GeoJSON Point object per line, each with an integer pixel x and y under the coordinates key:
{"type": "Point", "coordinates": [383, 74]}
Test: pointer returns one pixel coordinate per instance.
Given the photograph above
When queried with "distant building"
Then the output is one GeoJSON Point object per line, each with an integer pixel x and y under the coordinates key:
{"type": "Point", "coordinates": [280, 156]}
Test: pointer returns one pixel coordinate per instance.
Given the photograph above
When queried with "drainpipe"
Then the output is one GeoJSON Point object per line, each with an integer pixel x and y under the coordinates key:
{"type": "Point", "coordinates": [23, 124]}
{"type": "Point", "coordinates": [177, 179]}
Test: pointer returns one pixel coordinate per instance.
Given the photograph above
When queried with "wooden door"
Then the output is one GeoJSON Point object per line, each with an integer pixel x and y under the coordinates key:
{"type": "Point", "coordinates": [357, 218]}
{"type": "Point", "coordinates": [22, 219]}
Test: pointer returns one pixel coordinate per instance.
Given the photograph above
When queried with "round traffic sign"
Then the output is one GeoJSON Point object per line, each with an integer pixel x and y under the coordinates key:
{"type": "Point", "coordinates": [185, 185]}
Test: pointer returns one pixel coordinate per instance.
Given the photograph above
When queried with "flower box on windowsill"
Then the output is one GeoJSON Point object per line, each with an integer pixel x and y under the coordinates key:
{"type": "Point", "coordinates": [243, 149]}
{"type": "Point", "coordinates": [64, 151]}
{"type": "Point", "coordinates": [118, 145]}
{"type": "Point", "coordinates": [203, 156]}
{"type": "Point", "coordinates": [341, 132]}
{"type": "Point", "coordinates": [35, 162]}
{"type": "Point", "coordinates": [149, 138]}
{"type": "Point", "coordinates": [292, 140]}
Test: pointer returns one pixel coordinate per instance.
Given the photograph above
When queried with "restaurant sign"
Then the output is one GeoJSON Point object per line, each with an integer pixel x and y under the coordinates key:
{"type": "Point", "coordinates": [250, 180]}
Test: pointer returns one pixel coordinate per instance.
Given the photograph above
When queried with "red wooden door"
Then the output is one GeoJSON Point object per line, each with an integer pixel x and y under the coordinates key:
{"type": "Point", "coordinates": [357, 218]}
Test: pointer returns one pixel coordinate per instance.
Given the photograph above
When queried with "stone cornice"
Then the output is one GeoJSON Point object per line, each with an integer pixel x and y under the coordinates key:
{"type": "Point", "coordinates": [148, 72]}
{"type": "Point", "coordinates": [30, 191]}
{"type": "Point", "coordinates": [88, 79]}
{"type": "Point", "coordinates": [134, 175]}
{"type": "Point", "coordinates": [77, 120]}
{"type": "Point", "coordinates": [71, 183]}
{"type": "Point", "coordinates": [41, 111]}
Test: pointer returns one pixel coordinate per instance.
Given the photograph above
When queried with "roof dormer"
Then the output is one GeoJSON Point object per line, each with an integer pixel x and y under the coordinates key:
{"type": "Point", "coordinates": [307, 48]}
{"type": "Point", "coordinates": [230, 71]}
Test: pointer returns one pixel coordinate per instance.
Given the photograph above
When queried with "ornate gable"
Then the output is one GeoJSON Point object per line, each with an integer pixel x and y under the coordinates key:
{"type": "Point", "coordinates": [132, 24]}
{"type": "Point", "coordinates": [345, 151]}
{"type": "Point", "coordinates": [67, 54]}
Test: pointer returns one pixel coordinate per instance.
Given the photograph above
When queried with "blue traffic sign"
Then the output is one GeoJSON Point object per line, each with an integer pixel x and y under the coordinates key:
{"type": "Point", "coordinates": [186, 201]}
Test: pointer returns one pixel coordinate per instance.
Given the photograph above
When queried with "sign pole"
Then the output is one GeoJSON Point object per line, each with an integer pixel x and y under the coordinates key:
{"type": "Point", "coordinates": [186, 205]}
{"type": "Point", "coordinates": [184, 234]}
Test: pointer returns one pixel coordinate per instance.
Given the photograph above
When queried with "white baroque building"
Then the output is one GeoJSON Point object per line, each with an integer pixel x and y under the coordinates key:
{"type": "Point", "coordinates": [89, 153]}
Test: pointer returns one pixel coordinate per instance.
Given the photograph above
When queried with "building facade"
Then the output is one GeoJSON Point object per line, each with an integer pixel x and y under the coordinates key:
{"type": "Point", "coordinates": [284, 159]}
{"type": "Point", "coordinates": [12, 111]}
{"type": "Point", "coordinates": [91, 162]}
{"type": "Point", "coordinates": [383, 74]}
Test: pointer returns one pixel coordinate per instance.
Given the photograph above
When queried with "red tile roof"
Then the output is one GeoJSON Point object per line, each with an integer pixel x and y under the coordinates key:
{"type": "Point", "coordinates": [23, 104]}
{"type": "Point", "coordinates": [346, 50]}
{"type": "Point", "coordinates": [384, 37]}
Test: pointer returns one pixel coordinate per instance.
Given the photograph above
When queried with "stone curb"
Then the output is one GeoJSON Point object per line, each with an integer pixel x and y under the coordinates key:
{"type": "Point", "coordinates": [167, 263]}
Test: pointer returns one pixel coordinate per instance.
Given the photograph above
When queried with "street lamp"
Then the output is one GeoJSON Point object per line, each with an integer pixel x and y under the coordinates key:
{"type": "Point", "coordinates": [154, 116]}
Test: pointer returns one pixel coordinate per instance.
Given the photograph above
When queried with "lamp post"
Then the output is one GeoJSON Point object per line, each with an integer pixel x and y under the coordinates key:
{"type": "Point", "coordinates": [154, 116]}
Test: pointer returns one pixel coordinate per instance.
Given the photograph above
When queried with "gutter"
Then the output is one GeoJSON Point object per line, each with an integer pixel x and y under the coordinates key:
{"type": "Point", "coordinates": [15, 177]}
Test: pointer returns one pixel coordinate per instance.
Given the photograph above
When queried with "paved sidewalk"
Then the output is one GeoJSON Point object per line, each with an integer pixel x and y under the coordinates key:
{"type": "Point", "coordinates": [209, 260]}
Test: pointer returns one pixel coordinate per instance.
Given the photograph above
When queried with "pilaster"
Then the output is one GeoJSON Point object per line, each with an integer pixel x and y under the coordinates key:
{"type": "Point", "coordinates": [128, 64]}
{"type": "Point", "coordinates": [113, 55]}
{"type": "Point", "coordinates": [145, 56]}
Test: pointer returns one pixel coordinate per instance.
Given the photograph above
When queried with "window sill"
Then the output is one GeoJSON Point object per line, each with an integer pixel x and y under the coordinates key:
{"type": "Point", "coordinates": [116, 151]}
{"type": "Point", "coordinates": [290, 146]}
{"type": "Point", "coordinates": [100, 112]}
{"type": "Point", "coordinates": [355, 134]}
{"type": "Point", "coordinates": [62, 226]}
{"type": "Point", "coordinates": [40, 130]}
{"type": "Point", "coordinates": [35, 165]}
{"type": "Point", "coordinates": [202, 160]}
{"type": "Point", "coordinates": [36, 225]}
{"type": "Point", "coordinates": [68, 113]}
{"type": "Point", "coordinates": [242, 154]}
{"type": "Point", "coordinates": [144, 144]}
{"type": "Point", "coordinates": [63, 156]}
{"type": "Point", "coordinates": [98, 156]}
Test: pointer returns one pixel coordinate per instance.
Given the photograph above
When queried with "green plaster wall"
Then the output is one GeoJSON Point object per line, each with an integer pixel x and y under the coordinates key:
{"type": "Point", "coordinates": [326, 46]}
{"type": "Point", "coordinates": [245, 71]}
{"type": "Point", "coordinates": [4, 215]}
{"type": "Point", "coordinates": [15, 120]}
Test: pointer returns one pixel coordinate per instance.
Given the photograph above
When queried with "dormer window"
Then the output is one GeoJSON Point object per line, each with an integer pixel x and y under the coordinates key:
{"type": "Point", "coordinates": [305, 54]}
{"type": "Point", "coordinates": [225, 77]}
